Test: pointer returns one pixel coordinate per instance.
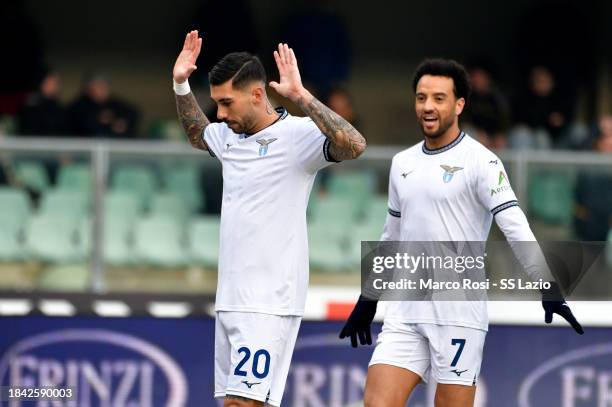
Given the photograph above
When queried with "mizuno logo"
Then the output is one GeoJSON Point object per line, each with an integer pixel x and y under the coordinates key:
{"type": "Point", "coordinates": [459, 372]}
{"type": "Point", "coordinates": [449, 171]}
{"type": "Point", "coordinates": [249, 385]}
{"type": "Point", "coordinates": [263, 145]}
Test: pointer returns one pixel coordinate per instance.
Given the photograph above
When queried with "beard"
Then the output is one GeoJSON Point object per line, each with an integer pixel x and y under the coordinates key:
{"type": "Point", "coordinates": [235, 127]}
{"type": "Point", "coordinates": [442, 127]}
{"type": "Point", "coordinates": [244, 126]}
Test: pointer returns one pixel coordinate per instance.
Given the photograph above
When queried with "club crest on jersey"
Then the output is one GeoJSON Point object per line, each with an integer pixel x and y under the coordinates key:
{"type": "Point", "coordinates": [449, 171]}
{"type": "Point", "coordinates": [263, 145]}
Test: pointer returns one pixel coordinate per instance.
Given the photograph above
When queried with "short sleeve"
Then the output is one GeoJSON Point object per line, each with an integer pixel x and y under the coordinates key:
{"type": "Point", "coordinates": [493, 185]}
{"type": "Point", "coordinates": [214, 137]}
{"type": "Point", "coordinates": [311, 146]}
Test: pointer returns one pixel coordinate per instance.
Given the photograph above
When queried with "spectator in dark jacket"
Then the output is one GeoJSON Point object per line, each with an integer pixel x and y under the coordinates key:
{"type": "Point", "coordinates": [43, 114]}
{"type": "Point", "coordinates": [487, 115]}
{"type": "Point", "coordinates": [96, 113]}
{"type": "Point", "coordinates": [593, 195]}
{"type": "Point", "coordinates": [543, 113]}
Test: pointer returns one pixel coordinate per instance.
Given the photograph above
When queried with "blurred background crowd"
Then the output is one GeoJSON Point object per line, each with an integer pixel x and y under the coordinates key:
{"type": "Point", "coordinates": [540, 78]}
{"type": "Point", "coordinates": [541, 73]}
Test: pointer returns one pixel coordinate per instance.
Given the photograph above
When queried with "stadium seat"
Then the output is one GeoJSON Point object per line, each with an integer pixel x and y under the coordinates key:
{"type": "Point", "coordinates": [67, 204]}
{"type": "Point", "coordinates": [328, 248]}
{"type": "Point", "coordinates": [54, 239]}
{"type": "Point", "coordinates": [336, 211]}
{"type": "Point", "coordinates": [169, 205]}
{"type": "Point", "coordinates": [315, 195]}
{"type": "Point", "coordinates": [158, 241]}
{"type": "Point", "coordinates": [184, 182]}
{"type": "Point", "coordinates": [117, 240]}
{"type": "Point", "coordinates": [33, 175]}
{"type": "Point", "coordinates": [15, 206]}
{"type": "Point", "coordinates": [11, 247]}
{"type": "Point", "coordinates": [204, 240]}
{"type": "Point", "coordinates": [136, 178]}
{"type": "Point", "coordinates": [551, 197]}
{"type": "Point", "coordinates": [123, 204]}
{"type": "Point", "coordinates": [14, 213]}
{"type": "Point", "coordinates": [370, 231]}
{"type": "Point", "coordinates": [358, 186]}
{"type": "Point", "coordinates": [166, 130]}
{"type": "Point", "coordinates": [376, 212]}
{"type": "Point", "coordinates": [118, 250]}
{"type": "Point", "coordinates": [75, 177]}
{"type": "Point", "coordinates": [352, 183]}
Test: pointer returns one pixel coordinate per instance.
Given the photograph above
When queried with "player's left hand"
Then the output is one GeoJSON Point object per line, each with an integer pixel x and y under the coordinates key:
{"type": "Point", "coordinates": [554, 303]}
{"type": "Point", "coordinates": [359, 322]}
{"type": "Point", "coordinates": [290, 85]}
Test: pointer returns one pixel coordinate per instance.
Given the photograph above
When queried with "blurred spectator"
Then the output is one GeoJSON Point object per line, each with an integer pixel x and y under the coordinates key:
{"type": "Point", "coordinates": [42, 114]}
{"type": "Point", "coordinates": [322, 45]}
{"type": "Point", "coordinates": [487, 114]}
{"type": "Point", "coordinates": [543, 115]}
{"type": "Point", "coordinates": [593, 195]}
{"type": "Point", "coordinates": [96, 113]}
{"type": "Point", "coordinates": [340, 101]}
{"type": "Point", "coordinates": [22, 55]}
{"type": "Point", "coordinates": [546, 34]}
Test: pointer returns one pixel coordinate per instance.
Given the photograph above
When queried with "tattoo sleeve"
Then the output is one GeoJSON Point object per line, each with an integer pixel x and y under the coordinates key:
{"type": "Point", "coordinates": [346, 142]}
{"type": "Point", "coordinates": [192, 119]}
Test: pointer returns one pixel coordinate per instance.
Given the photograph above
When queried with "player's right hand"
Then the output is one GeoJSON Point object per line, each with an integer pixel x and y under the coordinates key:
{"type": "Point", "coordinates": [185, 63]}
{"type": "Point", "coordinates": [359, 322]}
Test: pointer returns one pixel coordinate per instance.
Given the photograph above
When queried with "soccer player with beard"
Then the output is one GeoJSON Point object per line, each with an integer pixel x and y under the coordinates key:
{"type": "Point", "coordinates": [269, 159]}
{"type": "Point", "coordinates": [446, 188]}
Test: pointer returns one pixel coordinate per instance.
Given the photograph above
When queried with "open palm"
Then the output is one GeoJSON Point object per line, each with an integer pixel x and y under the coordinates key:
{"type": "Point", "coordinates": [290, 84]}
{"type": "Point", "coordinates": [185, 63]}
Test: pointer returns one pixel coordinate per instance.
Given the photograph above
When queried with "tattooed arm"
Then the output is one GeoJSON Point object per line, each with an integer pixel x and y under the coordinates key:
{"type": "Point", "coordinates": [346, 142]}
{"type": "Point", "coordinates": [192, 119]}
{"type": "Point", "coordinates": [189, 112]}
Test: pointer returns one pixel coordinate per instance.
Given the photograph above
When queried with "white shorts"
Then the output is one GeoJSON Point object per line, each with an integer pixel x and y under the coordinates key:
{"type": "Point", "coordinates": [253, 353]}
{"type": "Point", "coordinates": [448, 354]}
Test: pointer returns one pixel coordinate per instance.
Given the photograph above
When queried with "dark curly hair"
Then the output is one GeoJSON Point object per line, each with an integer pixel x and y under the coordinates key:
{"type": "Point", "coordinates": [447, 68]}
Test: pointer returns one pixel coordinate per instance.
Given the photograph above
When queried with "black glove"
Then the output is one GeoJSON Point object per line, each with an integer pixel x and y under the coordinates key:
{"type": "Point", "coordinates": [554, 303]}
{"type": "Point", "coordinates": [359, 322]}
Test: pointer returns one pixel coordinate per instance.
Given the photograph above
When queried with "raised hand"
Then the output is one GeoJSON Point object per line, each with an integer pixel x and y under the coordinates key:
{"type": "Point", "coordinates": [185, 63]}
{"type": "Point", "coordinates": [290, 85]}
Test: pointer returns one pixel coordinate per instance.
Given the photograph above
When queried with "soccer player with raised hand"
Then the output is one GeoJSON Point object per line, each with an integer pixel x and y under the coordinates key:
{"type": "Point", "coordinates": [270, 159]}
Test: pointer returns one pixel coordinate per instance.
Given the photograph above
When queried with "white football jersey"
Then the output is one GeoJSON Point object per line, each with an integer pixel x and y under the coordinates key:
{"type": "Point", "coordinates": [267, 178]}
{"type": "Point", "coordinates": [448, 194]}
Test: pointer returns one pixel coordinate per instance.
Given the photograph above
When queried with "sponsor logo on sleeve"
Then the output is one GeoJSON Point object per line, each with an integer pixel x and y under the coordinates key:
{"type": "Point", "coordinates": [502, 184]}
